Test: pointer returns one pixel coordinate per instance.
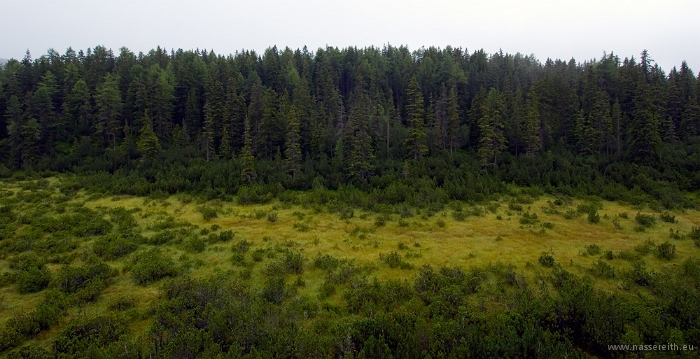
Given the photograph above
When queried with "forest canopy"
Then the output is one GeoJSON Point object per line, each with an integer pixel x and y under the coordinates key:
{"type": "Point", "coordinates": [442, 122]}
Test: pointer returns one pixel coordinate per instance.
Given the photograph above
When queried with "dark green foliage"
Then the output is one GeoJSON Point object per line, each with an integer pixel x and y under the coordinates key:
{"type": "Point", "coordinates": [667, 217]}
{"type": "Point", "coordinates": [645, 220]}
{"type": "Point", "coordinates": [394, 260]}
{"type": "Point", "coordinates": [85, 282]}
{"type": "Point", "coordinates": [32, 275]}
{"type": "Point", "coordinates": [666, 251]}
{"type": "Point", "coordinates": [114, 246]}
{"type": "Point", "coordinates": [593, 249]}
{"type": "Point", "coordinates": [326, 262]}
{"type": "Point", "coordinates": [529, 219]}
{"type": "Point", "coordinates": [150, 266]}
{"type": "Point", "coordinates": [646, 247]}
{"type": "Point", "coordinates": [81, 336]}
{"type": "Point", "coordinates": [546, 259]}
{"type": "Point", "coordinates": [208, 213]}
{"type": "Point", "coordinates": [603, 269]}
{"type": "Point", "coordinates": [593, 217]}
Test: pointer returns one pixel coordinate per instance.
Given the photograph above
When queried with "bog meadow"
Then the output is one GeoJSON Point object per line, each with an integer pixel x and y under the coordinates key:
{"type": "Point", "coordinates": [347, 203]}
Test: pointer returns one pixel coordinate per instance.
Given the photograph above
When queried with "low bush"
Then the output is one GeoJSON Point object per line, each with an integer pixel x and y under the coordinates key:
{"type": "Point", "coordinates": [546, 259]}
{"type": "Point", "coordinates": [645, 220]}
{"type": "Point", "coordinates": [114, 246]}
{"type": "Point", "coordinates": [150, 266]}
{"type": "Point", "coordinates": [666, 251]}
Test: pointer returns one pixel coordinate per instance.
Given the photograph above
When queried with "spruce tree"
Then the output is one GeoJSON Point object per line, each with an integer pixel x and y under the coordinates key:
{"type": "Point", "coordinates": [452, 120]}
{"type": "Point", "coordinates": [77, 109]}
{"type": "Point", "coordinates": [645, 142]}
{"type": "Point", "coordinates": [531, 130]}
{"type": "Point", "coordinates": [248, 161]}
{"type": "Point", "coordinates": [491, 138]}
{"type": "Point", "coordinates": [360, 154]}
{"type": "Point", "coordinates": [292, 149]}
{"type": "Point", "coordinates": [13, 118]}
{"type": "Point", "coordinates": [208, 132]}
{"type": "Point", "coordinates": [416, 141]}
{"type": "Point", "coordinates": [109, 104]}
{"type": "Point", "coordinates": [148, 144]}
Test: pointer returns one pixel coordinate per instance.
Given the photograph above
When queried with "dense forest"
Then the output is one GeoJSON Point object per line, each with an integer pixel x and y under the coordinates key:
{"type": "Point", "coordinates": [327, 204]}
{"type": "Point", "coordinates": [420, 127]}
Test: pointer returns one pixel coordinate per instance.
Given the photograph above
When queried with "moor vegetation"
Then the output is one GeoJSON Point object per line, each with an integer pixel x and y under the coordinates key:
{"type": "Point", "coordinates": [347, 203]}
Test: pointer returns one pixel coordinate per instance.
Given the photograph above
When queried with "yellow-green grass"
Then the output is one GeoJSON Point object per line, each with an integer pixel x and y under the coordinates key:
{"type": "Point", "coordinates": [476, 241]}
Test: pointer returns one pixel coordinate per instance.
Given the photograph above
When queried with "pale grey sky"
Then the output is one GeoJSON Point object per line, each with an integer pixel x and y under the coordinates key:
{"type": "Point", "coordinates": [563, 29]}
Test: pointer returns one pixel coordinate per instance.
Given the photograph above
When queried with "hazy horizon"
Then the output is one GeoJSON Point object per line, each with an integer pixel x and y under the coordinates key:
{"type": "Point", "coordinates": [545, 28]}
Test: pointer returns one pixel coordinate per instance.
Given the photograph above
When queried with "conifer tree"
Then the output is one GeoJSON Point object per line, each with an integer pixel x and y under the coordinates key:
{"type": "Point", "coordinates": [416, 142]}
{"type": "Point", "coordinates": [13, 118]}
{"type": "Point", "coordinates": [645, 142]}
{"type": "Point", "coordinates": [491, 138]}
{"type": "Point", "coordinates": [31, 135]}
{"type": "Point", "coordinates": [148, 144]}
{"type": "Point", "coordinates": [77, 109]}
{"type": "Point", "coordinates": [531, 130]}
{"type": "Point", "coordinates": [109, 105]}
{"type": "Point", "coordinates": [452, 120]}
{"type": "Point", "coordinates": [248, 161]}
{"type": "Point", "coordinates": [208, 132]}
{"type": "Point", "coordinates": [360, 154]}
{"type": "Point", "coordinates": [292, 149]}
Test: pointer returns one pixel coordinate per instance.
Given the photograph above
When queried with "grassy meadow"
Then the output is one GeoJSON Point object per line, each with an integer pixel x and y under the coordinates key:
{"type": "Point", "coordinates": [202, 238]}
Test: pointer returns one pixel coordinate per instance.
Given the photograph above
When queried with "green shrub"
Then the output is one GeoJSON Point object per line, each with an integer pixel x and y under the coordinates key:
{"type": "Point", "coordinates": [208, 213]}
{"type": "Point", "coordinates": [241, 246]}
{"type": "Point", "coordinates": [593, 217]}
{"type": "Point", "coordinates": [645, 247]}
{"type": "Point", "coordinates": [150, 266]}
{"type": "Point", "coordinates": [694, 233]}
{"type": "Point", "coordinates": [546, 259]}
{"type": "Point", "coordinates": [194, 244]}
{"type": "Point", "coordinates": [666, 251]}
{"type": "Point", "coordinates": [515, 207]}
{"type": "Point", "coordinates": [82, 335]}
{"type": "Point", "coordinates": [113, 246]}
{"type": "Point", "coordinates": [645, 220]}
{"type": "Point", "coordinates": [667, 217]}
{"type": "Point", "coordinates": [274, 289]}
{"type": "Point", "coordinates": [258, 255]}
{"type": "Point", "coordinates": [528, 219]}
{"type": "Point", "coordinates": [548, 225]}
{"type": "Point", "coordinates": [326, 262]}
{"type": "Point", "coordinates": [33, 279]}
{"type": "Point", "coordinates": [394, 260]}
{"type": "Point", "coordinates": [639, 273]}
{"type": "Point", "coordinates": [593, 249]}
{"type": "Point", "coordinates": [272, 217]}
{"type": "Point", "coordinates": [603, 269]}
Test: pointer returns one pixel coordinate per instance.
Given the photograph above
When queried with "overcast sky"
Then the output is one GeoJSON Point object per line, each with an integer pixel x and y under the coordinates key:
{"type": "Point", "coordinates": [563, 29]}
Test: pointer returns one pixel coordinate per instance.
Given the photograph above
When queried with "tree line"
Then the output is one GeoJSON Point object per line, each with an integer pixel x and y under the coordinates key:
{"type": "Point", "coordinates": [341, 117]}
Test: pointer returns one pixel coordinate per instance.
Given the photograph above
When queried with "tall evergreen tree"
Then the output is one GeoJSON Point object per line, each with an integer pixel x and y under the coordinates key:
{"type": "Point", "coordinates": [645, 142]}
{"type": "Point", "coordinates": [208, 132]}
{"type": "Point", "coordinates": [360, 154]}
{"type": "Point", "coordinates": [416, 142]}
{"type": "Point", "coordinates": [491, 138]}
{"type": "Point", "coordinates": [77, 109]}
{"type": "Point", "coordinates": [107, 125]}
{"type": "Point", "coordinates": [452, 120]}
{"type": "Point", "coordinates": [531, 129]}
{"type": "Point", "coordinates": [292, 148]}
{"type": "Point", "coordinates": [148, 144]}
{"type": "Point", "coordinates": [13, 118]}
{"type": "Point", "coordinates": [248, 174]}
